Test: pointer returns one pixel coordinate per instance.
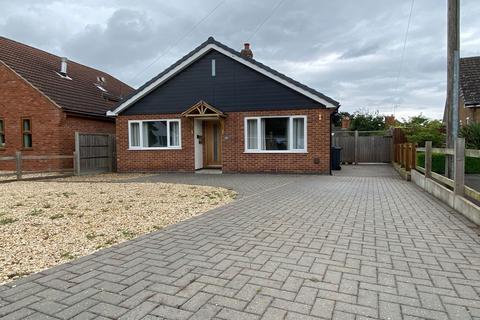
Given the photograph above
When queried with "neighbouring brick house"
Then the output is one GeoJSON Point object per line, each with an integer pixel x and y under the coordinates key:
{"type": "Point", "coordinates": [219, 108]}
{"type": "Point", "coordinates": [45, 99]}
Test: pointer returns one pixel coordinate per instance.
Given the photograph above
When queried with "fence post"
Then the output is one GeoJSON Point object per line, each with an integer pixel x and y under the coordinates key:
{"type": "Point", "coordinates": [428, 159]}
{"type": "Point", "coordinates": [110, 153]}
{"type": "Point", "coordinates": [402, 155]}
{"type": "Point", "coordinates": [76, 155]}
{"type": "Point", "coordinates": [408, 157]}
{"type": "Point", "coordinates": [76, 163]}
{"type": "Point", "coordinates": [356, 147]}
{"type": "Point", "coordinates": [459, 166]}
{"type": "Point", "coordinates": [414, 155]}
{"type": "Point", "coordinates": [18, 164]}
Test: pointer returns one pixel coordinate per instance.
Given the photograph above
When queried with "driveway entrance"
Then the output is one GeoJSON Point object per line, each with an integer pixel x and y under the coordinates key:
{"type": "Point", "coordinates": [360, 245]}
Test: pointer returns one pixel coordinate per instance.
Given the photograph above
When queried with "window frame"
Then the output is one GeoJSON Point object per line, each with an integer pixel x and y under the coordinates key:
{"type": "Point", "coordinates": [290, 134]}
{"type": "Point", "coordinates": [30, 132]}
{"type": "Point", "coordinates": [2, 132]}
{"type": "Point", "coordinates": [141, 147]}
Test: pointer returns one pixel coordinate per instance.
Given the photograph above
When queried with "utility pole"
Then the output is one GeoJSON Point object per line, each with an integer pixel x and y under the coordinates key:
{"type": "Point", "coordinates": [453, 54]}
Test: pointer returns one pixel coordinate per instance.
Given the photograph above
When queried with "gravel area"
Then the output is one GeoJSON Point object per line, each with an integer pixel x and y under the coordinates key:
{"type": "Point", "coordinates": [43, 224]}
{"type": "Point", "coordinates": [106, 177]}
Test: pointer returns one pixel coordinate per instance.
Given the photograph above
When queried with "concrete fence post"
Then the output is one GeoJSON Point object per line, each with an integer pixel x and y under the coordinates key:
{"type": "Point", "coordinates": [18, 164]}
{"type": "Point", "coordinates": [76, 164]}
{"type": "Point", "coordinates": [428, 159]}
{"type": "Point", "coordinates": [76, 155]}
{"type": "Point", "coordinates": [459, 166]}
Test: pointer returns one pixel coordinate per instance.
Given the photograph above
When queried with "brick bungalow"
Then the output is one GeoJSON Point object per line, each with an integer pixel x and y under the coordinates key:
{"type": "Point", "coordinates": [219, 108]}
{"type": "Point", "coordinates": [44, 99]}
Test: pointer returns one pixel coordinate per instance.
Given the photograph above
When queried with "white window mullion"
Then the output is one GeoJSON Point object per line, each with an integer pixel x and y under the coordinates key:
{"type": "Point", "coordinates": [141, 133]}
{"type": "Point", "coordinates": [290, 133]}
{"type": "Point", "coordinates": [168, 133]}
{"type": "Point", "coordinates": [259, 135]}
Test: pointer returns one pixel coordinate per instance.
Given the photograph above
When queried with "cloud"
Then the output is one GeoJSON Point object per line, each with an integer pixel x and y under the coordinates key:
{"type": "Point", "coordinates": [348, 49]}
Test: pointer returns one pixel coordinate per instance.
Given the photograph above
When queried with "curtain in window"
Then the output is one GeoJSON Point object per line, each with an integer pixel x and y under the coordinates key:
{"type": "Point", "coordinates": [174, 134]}
{"type": "Point", "coordinates": [298, 133]}
{"type": "Point", "coordinates": [135, 134]}
{"type": "Point", "coordinates": [252, 134]}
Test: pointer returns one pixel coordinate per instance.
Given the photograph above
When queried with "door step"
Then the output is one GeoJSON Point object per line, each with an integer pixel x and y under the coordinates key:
{"type": "Point", "coordinates": [209, 171]}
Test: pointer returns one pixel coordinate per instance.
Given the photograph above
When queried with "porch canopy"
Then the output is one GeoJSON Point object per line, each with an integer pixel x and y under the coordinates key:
{"type": "Point", "coordinates": [203, 110]}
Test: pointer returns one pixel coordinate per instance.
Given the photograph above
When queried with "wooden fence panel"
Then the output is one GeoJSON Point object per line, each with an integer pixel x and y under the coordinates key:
{"type": "Point", "coordinates": [95, 152]}
{"type": "Point", "coordinates": [370, 148]}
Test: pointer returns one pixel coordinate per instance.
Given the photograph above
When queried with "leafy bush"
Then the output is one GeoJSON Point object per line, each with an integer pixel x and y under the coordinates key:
{"type": "Point", "coordinates": [419, 129]}
{"type": "Point", "coordinates": [472, 165]}
{"type": "Point", "coordinates": [364, 120]}
{"type": "Point", "coordinates": [471, 133]}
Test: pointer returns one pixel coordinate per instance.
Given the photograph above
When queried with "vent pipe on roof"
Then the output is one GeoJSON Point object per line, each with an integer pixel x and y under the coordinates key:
{"type": "Point", "coordinates": [63, 66]}
{"type": "Point", "coordinates": [246, 52]}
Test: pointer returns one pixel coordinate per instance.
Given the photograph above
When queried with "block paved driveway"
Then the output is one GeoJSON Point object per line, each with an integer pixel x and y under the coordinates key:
{"type": "Point", "coordinates": [359, 245]}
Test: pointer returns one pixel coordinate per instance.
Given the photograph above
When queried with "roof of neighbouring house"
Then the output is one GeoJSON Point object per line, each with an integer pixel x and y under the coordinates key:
{"type": "Point", "coordinates": [470, 80]}
{"type": "Point", "coordinates": [78, 93]}
{"type": "Point", "coordinates": [205, 47]}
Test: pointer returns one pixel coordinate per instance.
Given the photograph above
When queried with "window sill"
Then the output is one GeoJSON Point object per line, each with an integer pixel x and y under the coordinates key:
{"type": "Point", "coordinates": [154, 149]}
{"type": "Point", "coordinates": [276, 151]}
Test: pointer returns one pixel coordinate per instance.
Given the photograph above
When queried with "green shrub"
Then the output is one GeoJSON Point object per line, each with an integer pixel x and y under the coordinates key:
{"type": "Point", "coordinates": [471, 133]}
{"type": "Point", "coordinates": [419, 129]}
{"type": "Point", "coordinates": [472, 165]}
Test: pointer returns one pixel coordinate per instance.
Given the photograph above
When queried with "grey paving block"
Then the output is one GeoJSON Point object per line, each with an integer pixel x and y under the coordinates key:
{"type": "Point", "coordinates": [290, 247]}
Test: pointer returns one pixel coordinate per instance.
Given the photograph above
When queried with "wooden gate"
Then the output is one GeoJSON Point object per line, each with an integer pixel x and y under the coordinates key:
{"type": "Point", "coordinates": [363, 146]}
{"type": "Point", "coordinates": [94, 153]}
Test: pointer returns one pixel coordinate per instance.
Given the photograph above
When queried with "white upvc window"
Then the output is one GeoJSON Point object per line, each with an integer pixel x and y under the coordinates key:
{"type": "Point", "coordinates": [276, 134]}
{"type": "Point", "coordinates": [154, 134]}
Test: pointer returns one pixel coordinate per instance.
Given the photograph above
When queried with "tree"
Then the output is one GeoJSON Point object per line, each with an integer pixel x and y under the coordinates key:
{"type": "Point", "coordinates": [364, 120]}
{"type": "Point", "coordinates": [419, 129]}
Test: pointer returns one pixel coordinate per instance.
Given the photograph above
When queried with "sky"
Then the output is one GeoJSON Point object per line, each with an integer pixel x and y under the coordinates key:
{"type": "Point", "coordinates": [349, 50]}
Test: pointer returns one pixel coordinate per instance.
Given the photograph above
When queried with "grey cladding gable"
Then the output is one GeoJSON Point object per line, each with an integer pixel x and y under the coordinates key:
{"type": "Point", "coordinates": [235, 87]}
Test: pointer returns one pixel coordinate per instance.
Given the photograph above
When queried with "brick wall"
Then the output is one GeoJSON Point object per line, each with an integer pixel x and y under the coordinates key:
{"type": "Point", "coordinates": [318, 145]}
{"type": "Point", "coordinates": [155, 160]}
{"type": "Point", "coordinates": [52, 130]}
{"type": "Point", "coordinates": [234, 157]}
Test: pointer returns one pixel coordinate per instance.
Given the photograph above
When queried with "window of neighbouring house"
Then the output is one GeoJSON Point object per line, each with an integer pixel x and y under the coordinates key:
{"type": "Point", "coordinates": [27, 133]}
{"type": "Point", "coordinates": [2, 134]}
{"type": "Point", "coordinates": [154, 134]}
{"type": "Point", "coordinates": [275, 134]}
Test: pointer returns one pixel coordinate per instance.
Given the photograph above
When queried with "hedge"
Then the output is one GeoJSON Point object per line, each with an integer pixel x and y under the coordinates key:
{"type": "Point", "coordinates": [472, 165]}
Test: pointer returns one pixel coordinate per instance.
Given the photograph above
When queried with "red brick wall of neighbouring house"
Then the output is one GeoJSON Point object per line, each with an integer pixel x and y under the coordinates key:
{"type": "Point", "coordinates": [233, 150]}
{"type": "Point", "coordinates": [52, 130]}
{"type": "Point", "coordinates": [72, 124]}
{"type": "Point", "coordinates": [17, 100]}
{"type": "Point", "coordinates": [155, 160]}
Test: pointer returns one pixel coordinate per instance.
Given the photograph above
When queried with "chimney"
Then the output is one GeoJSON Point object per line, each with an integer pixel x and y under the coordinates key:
{"type": "Point", "coordinates": [246, 52]}
{"type": "Point", "coordinates": [345, 123]}
{"type": "Point", "coordinates": [63, 66]}
{"type": "Point", "coordinates": [389, 121]}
